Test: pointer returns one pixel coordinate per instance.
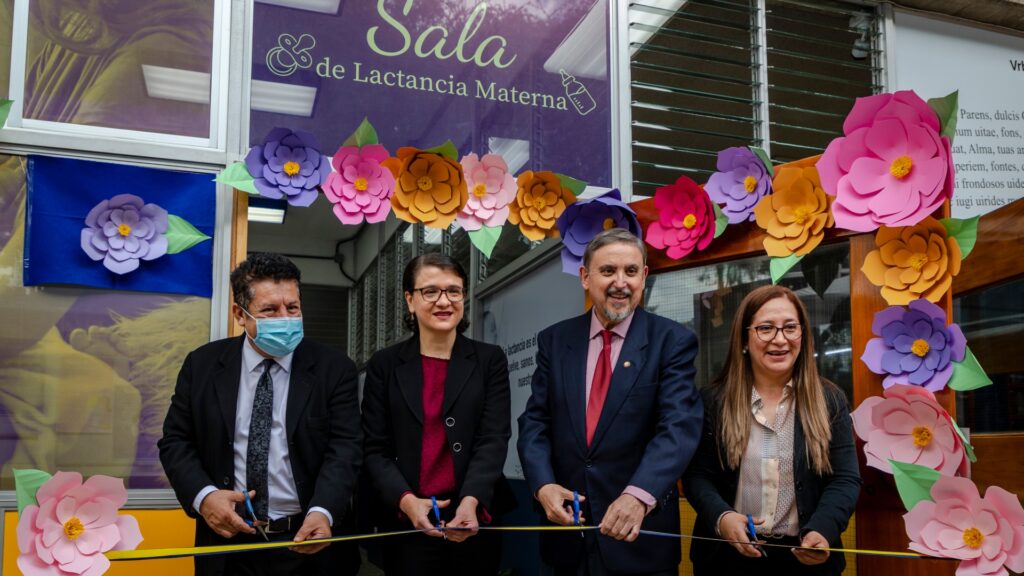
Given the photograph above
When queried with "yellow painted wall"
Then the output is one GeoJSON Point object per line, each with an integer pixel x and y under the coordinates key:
{"type": "Point", "coordinates": [160, 529]}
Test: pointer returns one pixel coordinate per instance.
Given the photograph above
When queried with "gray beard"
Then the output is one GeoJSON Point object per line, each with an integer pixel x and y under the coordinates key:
{"type": "Point", "coordinates": [616, 317]}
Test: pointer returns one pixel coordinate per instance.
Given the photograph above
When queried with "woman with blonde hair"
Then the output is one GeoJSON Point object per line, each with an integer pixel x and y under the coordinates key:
{"type": "Point", "coordinates": [777, 446]}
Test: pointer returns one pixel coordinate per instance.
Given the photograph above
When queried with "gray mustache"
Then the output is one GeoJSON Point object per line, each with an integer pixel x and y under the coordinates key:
{"type": "Point", "coordinates": [626, 292]}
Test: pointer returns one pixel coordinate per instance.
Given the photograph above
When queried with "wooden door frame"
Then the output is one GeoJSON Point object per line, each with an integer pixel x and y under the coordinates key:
{"type": "Point", "coordinates": [239, 247]}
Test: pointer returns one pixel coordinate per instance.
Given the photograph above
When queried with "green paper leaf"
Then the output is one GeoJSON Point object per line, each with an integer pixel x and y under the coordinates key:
{"type": "Point", "coordinates": [965, 232]}
{"type": "Point", "coordinates": [237, 176]}
{"type": "Point", "coordinates": [763, 156]}
{"type": "Point", "coordinates": [448, 150]}
{"type": "Point", "coordinates": [26, 484]}
{"type": "Point", "coordinates": [363, 136]}
{"type": "Point", "coordinates": [967, 445]}
{"type": "Point", "coordinates": [5, 109]}
{"type": "Point", "coordinates": [913, 482]}
{"type": "Point", "coordinates": [779, 266]}
{"type": "Point", "coordinates": [576, 186]}
{"type": "Point", "coordinates": [946, 109]}
{"type": "Point", "coordinates": [181, 235]}
{"type": "Point", "coordinates": [721, 220]}
{"type": "Point", "coordinates": [485, 238]}
{"type": "Point", "coordinates": [968, 374]}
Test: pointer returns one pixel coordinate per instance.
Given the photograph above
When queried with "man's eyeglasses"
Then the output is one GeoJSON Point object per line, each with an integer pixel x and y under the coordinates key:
{"type": "Point", "coordinates": [768, 332]}
{"type": "Point", "coordinates": [433, 293]}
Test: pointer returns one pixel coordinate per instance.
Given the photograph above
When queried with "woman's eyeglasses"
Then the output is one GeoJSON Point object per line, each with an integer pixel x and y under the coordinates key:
{"type": "Point", "coordinates": [768, 332]}
{"type": "Point", "coordinates": [433, 293]}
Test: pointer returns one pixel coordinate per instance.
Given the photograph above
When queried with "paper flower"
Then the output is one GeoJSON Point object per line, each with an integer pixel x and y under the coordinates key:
{"type": "Point", "coordinates": [491, 189]}
{"type": "Point", "coordinates": [430, 188]}
{"type": "Point", "coordinates": [73, 526]}
{"type": "Point", "coordinates": [892, 167]}
{"type": "Point", "coordinates": [908, 425]}
{"type": "Point", "coordinates": [796, 214]}
{"type": "Point", "coordinates": [916, 347]}
{"type": "Point", "coordinates": [985, 534]}
{"type": "Point", "coordinates": [583, 220]}
{"type": "Point", "coordinates": [741, 181]}
{"type": "Point", "coordinates": [123, 230]}
{"type": "Point", "coordinates": [540, 200]}
{"type": "Point", "coordinates": [288, 165]}
{"type": "Point", "coordinates": [917, 261]}
{"type": "Point", "coordinates": [686, 219]}
{"type": "Point", "coordinates": [360, 187]}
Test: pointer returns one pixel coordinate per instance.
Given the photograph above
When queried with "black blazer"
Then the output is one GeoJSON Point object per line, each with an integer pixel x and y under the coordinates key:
{"type": "Point", "coordinates": [476, 412]}
{"type": "Point", "coordinates": [322, 424]}
{"type": "Point", "coordinates": [824, 503]}
{"type": "Point", "coordinates": [648, 430]}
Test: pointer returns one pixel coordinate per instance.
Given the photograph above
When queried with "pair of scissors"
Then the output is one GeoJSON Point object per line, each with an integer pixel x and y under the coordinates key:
{"type": "Point", "coordinates": [252, 521]}
{"type": "Point", "coordinates": [753, 536]}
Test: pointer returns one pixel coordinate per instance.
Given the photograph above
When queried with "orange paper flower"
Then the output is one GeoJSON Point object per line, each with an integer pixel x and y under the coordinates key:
{"type": "Point", "coordinates": [913, 262]}
{"type": "Point", "coordinates": [796, 214]}
{"type": "Point", "coordinates": [429, 188]}
{"type": "Point", "coordinates": [540, 200]}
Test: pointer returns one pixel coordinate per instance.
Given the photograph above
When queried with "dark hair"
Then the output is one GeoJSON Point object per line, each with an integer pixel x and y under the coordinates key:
{"type": "Point", "coordinates": [435, 260]}
{"type": "Point", "coordinates": [613, 236]}
{"type": "Point", "coordinates": [257, 267]}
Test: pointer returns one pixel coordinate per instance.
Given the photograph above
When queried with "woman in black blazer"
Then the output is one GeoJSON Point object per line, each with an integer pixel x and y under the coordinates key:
{"type": "Point", "coordinates": [777, 445]}
{"type": "Point", "coordinates": [436, 421]}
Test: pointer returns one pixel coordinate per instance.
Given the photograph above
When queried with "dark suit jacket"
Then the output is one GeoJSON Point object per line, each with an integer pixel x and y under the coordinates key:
{"type": "Point", "coordinates": [824, 503]}
{"type": "Point", "coordinates": [477, 418]}
{"type": "Point", "coordinates": [647, 432]}
{"type": "Point", "coordinates": [322, 424]}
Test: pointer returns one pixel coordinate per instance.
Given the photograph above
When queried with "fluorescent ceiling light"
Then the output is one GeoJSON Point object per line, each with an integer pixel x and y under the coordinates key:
{"type": "Point", "coordinates": [650, 19]}
{"type": "Point", "coordinates": [322, 6]}
{"type": "Point", "coordinates": [515, 152]}
{"type": "Point", "coordinates": [267, 215]}
{"type": "Point", "coordinates": [583, 53]}
{"type": "Point", "coordinates": [190, 86]}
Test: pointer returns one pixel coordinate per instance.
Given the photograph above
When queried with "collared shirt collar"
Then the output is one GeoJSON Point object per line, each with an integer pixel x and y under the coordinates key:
{"type": "Point", "coordinates": [756, 400]}
{"type": "Point", "coordinates": [620, 329]}
{"type": "Point", "coordinates": [251, 359]}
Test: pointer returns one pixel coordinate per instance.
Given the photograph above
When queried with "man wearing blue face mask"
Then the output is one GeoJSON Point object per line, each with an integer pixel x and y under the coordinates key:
{"type": "Point", "coordinates": [262, 438]}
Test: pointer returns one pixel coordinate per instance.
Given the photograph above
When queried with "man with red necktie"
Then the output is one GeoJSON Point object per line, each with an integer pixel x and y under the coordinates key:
{"type": "Point", "coordinates": [615, 416]}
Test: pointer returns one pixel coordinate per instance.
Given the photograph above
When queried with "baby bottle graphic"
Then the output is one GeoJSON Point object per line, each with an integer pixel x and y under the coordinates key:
{"type": "Point", "coordinates": [577, 94]}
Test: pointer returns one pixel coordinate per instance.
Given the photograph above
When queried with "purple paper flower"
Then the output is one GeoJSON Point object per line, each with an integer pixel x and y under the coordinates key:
{"type": "Point", "coordinates": [123, 230]}
{"type": "Point", "coordinates": [584, 219]}
{"type": "Point", "coordinates": [741, 181]}
{"type": "Point", "coordinates": [288, 165]}
{"type": "Point", "coordinates": [916, 347]}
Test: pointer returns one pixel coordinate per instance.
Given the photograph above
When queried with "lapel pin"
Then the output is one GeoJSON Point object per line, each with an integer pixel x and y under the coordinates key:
{"type": "Point", "coordinates": [627, 364]}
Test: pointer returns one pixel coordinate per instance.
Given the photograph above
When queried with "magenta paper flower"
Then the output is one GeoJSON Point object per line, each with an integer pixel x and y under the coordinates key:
{"type": "Point", "coordinates": [741, 181]}
{"type": "Point", "coordinates": [686, 219]}
{"type": "Point", "coordinates": [123, 230]}
{"type": "Point", "coordinates": [985, 534]}
{"type": "Point", "coordinates": [908, 425]}
{"type": "Point", "coordinates": [584, 219]}
{"type": "Point", "coordinates": [288, 165]}
{"type": "Point", "coordinates": [491, 190]}
{"type": "Point", "coordinates": [916, 347]}
{"type": "Point", "coordinates": [74, 525]}
{"type": "Point", "coordinates": [360, 187]}
{"type": "Point", "coordinates": [891, 168]}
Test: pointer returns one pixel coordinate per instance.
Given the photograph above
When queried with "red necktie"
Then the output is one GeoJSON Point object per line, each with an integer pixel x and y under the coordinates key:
{"type": "Point", "coordinates": [599, 387]}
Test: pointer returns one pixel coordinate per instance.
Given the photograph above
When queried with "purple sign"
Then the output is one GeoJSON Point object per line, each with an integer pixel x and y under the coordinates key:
{"type": "Point", "coordinates": [527, 79]}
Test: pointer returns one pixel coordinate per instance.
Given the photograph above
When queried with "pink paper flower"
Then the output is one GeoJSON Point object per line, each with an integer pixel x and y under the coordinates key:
{"type": "Point", "coordinates": [686, 219]}
{"type": "Point", "coordinates": [360, 187]}
{"type": "Point", "coordinates": [491, 190]}
{"type": "Point", "coordinates": [985, 534]}
{"type": "Point", "coordinates": [891, 168]}
{"type": "Point", "coordinates": [908, 425]}
{"type": "Point", "coordinates": [74, 525]}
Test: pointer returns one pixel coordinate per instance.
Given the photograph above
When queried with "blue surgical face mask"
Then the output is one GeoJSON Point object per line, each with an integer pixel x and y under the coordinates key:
{"type": "Point", "coordinates": [277, 336]}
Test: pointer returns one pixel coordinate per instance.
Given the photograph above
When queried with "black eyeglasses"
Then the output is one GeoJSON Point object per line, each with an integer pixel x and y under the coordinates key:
{"type": "Point", "coordinates": [433, 293]}
{"type": "Point", "coordinates": [768, 332]}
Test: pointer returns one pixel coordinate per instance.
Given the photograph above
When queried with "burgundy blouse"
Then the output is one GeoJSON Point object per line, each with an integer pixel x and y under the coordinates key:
{"type": "Point", "coordinates": [437, 470]}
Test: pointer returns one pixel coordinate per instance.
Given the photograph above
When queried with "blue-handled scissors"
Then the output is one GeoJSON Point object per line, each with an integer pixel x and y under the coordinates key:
{"type": "Point", "coordinates": [252, 520]}
{"type": "Point", "coordinates": [753, 535]}
{"type": "Point", "coordinates": [437, 511]}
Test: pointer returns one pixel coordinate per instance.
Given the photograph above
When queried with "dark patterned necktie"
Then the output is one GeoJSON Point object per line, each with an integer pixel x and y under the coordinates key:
{"type": "Point", "coordinates": [259, 441]}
